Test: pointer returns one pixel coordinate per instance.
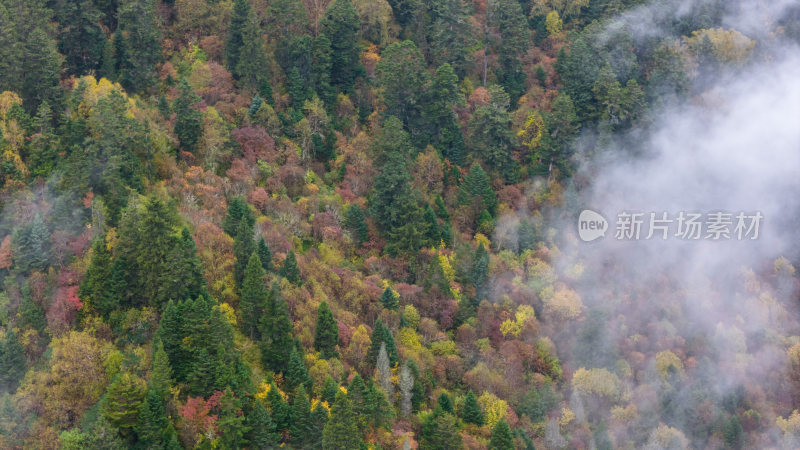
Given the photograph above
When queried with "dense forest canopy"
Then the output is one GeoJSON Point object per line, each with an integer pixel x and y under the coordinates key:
{"type": "Point", "coordinates": [351, 224]}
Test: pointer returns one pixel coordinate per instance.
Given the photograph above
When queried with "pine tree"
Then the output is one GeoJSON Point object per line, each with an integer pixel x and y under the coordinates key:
{"type": "Point", "coordinates": [253, 300]}
{"type": "Point", "coordinates": [326, 333]}
{"type": "Point", "coordinates": [280, 409]}
{"type": "Point", "coordinates": [161, 376]}
{"type": "Point", "coordinates": [40, 57]}
{"type": "Point", "coordinates": [231, 422]}
{"type": "Point", "coordinates": [354, 222]}
{"type": "Point", "coordinates": [277, 333]}
{"type": "Point", "coordinates": [381, 334]}
{"type": "Point", "coordinates": [152, 421]}
{"type": "Point", "coordinates": [12, 361]}
{"type": "Point", "coordinates": [501, 437]}
{"type": "Point", "coordinates": [433, 236]}
{"type": "Point", "coordinates": [243, 247]}
{"type": "Point", "coordinates": [514, 36]}
{"type": "Point", "coordinates": [262, 429]}
{"type": "Point", "coordinates": [440, 432]}
{"type": "Point", "coordinates": [329, 390]}
{"type": "Point", "coordinates": [138, 22]}
{"type": "Point", "coordinates": [252, 67]}
{"type": "Point", "coordinates": [301, 425]}
{"type": "Point", "coordinates": [235, 41]}
{"type": "Point", "coordinates": [296, 372]}
{"type": "Point", "coordinates": [602, 440]}
{"type": "Point", "coordinates": [341, 431]}
{"type": "Point", "coordinates": [445, 130]}
{"type": "Point", "coordinates": [445, 403]}
{"type": "Point", "coordinates": [290, 270]}
{"type": "Point", "coordinates": [476, 185]}
{"type": "Point", "coordinates": [80, 38]}
{"type": "Point", "coordinates": [341, 25]}
{"type": "Point", "coordinates": [480, 273]}
{"type": "Point", "coordinates": [492, 139]}
{"type": "Point", "coordinates": [238, 211]}
{"type": "Point", "coordinates": [31, 245]}
{"type": "Point", "coordinates": [122, 401]}
{"type": "Point", "coordinates": [188, 120]}
{"type": "Point", "coordinates": [264, 254]}
{"type": "Point", "coordinates": [388, 299]}
{"type": "Point", "coordinates": [95, 289]}
{"type": "Point", "coordinates": [471, 411]}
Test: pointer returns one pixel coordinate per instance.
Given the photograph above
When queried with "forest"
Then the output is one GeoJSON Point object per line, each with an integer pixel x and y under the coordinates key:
{"type": "Point", "coordinates": [351, 224]}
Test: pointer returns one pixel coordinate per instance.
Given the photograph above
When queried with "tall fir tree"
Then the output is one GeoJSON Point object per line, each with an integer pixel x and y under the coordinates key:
{"type": "Point", "coordinates": [264, 254]}
{"type": "Point", "coordinates": [238, 210]}
{"type": "Point", "coordinates": [290, 270]}
{"type": "Point", "coordinates": [139, 24]}
{"type": "Point", "coordinates": [262, 429]}
{"type": "Point", "coordinates": [301, 426]}
{"type": "Point", "coordinates": [95, 289]}
{"type": "Point", "coordinates": [388, 299]}
{"type": "Point", "coordinates": [276, 332]}
{"type": "Point", "coordinates": [253, 299]}
{"type": "Point", "coordinates": [188, 120]}
{"type": "Point", "coordinates": [381, 334]}
{"type": "Point", "coordinates": [235, 41]}
{"type": "Point", "coordinates": [12, 361]}
{"type": "Point", "coordinates": [341, 432]}
{"type": "Point", "coordinates": [501, 437]}
{"type": "Point", "coordinates": [80, 38]}
{"type": "Point", "coordinates": [471, 411]}
{"type": "Point", "coordinates": [326, 333]}
{"type": "Point", "coordinates": [243, 247]}
{"type": "Point", "coordinates": [341, 26]}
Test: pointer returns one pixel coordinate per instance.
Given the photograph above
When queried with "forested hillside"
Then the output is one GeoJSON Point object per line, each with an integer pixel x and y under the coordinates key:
{"type": "Point", "coordinates": [351, 224]}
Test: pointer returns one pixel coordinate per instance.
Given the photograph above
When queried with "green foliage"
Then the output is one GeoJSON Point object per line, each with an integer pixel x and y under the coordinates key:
{"type": "Point", "coordinates": [388, 299]}
{"type": "Point", "coordinates": [326, 333]}
{"type": "Point", "coordinates": [276, 332]}
{"type": "Point", "coordinates": [238, 211]}
{"type": "Point", "coordinates": [188, 120]}
{"type": "Point", "coordinates": [296, 372]}
{"type": "Point", "coordinates": [445, 403]}
{"type": "Point", "coordinates": [231, 423]}
{"type": "Point", "coordinates": [80, 39]}
{"type": "Point", "coordinates": [340, 26]}
{"type": "Point", "coordinates": [354, 222]}
{"type": "Point", "coordinates": [341, 431]}
{"type": "Point", "coordinates": [439, 431]}
{"type": "Point", "coordinates": [96, 290]}
{"type": "Point", "coordinates": [152, 422]}
{"type": "Point", "coordinates": [261, 432]}
{"type": "Point", "coordinates": [243, 249]}
{"type": "Point", "coordinates": [471, 411]}
{"type": "Point", "coordinates": [12, 361]}
{"type": "Point", "coordinates": [381, 334]}
{"type": "Point", "coordinates": [264, 254]}
{"type": "Point", "coordinates": [122, 401]}
{"type": "Point", "coordinates": [402, 75]}
{"type": "Point", "coordinates": [199, 343]}
{"type": "Point", "coordinates": [301, 426]}
{"type": "Point", "coordinates": [31, 245]}
{"type": "Point", "coordinates": [501, 437]}
{"type": "Point", "coordinates": [514, 36]}
{"type": "Point", "coordinates": [290, 269]}
{"type": "Point", "coordinates": [476, 187]}
{"type": "Point", "coordinates": [253, 300]}
{"type": "Point", "coordinates": [492, 139]}
{"type": "Point", "coordinates": [138, 23]}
